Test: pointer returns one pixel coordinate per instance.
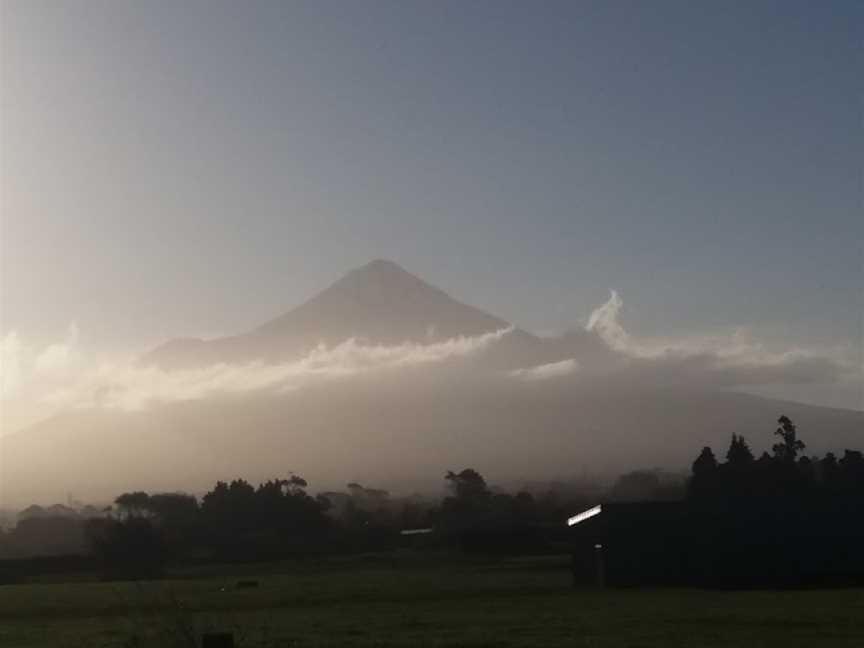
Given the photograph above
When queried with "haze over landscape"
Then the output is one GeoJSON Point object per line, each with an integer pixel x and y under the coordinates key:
{"type": "Point", "coordinates": [433, 323]}
{"type": "Point", "coordinates": [223, 235]}
{"type": "Point", "coordinates": [383, 377]}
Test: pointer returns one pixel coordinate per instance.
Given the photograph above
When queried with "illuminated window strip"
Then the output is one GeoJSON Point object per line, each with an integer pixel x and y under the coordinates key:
{"type": "Point", "coordinates": [584, 515]}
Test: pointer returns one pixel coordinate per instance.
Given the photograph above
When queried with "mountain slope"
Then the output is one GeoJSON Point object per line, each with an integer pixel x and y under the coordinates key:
{"type": "Point", "coordinates": [400, 431]}
{"type": "Point", "coordinates": [399, 425]}
{"type": "Point", "coordinates": [380, 303]}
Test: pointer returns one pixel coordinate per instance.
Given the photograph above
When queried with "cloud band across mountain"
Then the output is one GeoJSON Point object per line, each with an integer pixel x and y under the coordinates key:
{"type": "Point", "coordinates": [72, 380]}
{"type": "Point", "coordinates": [40, 382]}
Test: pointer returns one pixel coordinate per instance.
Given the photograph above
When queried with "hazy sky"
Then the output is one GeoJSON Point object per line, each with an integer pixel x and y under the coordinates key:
{"type": "Point", "coordinates": [195, 168]}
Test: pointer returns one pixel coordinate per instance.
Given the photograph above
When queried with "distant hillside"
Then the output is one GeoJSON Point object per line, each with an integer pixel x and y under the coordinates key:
{"type": "Point", "coordinates": [380, 303]}
{"type": "Point", "coordinates": [401, 432]}
{"type": "Point", "coordinates": [523, 407]}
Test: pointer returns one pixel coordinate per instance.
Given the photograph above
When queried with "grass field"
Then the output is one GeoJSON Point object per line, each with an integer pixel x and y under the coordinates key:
{"type": "Point", "coordinates": [387, 602]}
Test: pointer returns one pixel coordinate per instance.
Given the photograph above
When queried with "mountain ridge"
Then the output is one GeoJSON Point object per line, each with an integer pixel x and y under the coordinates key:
{"type": "Point", "coordinates": [379, 302]}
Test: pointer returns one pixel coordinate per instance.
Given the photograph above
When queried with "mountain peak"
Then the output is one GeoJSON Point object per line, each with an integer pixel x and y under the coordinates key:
{"type": "Point", "coordinates": [379, 302]}
{"type": "Point", "coordinates": [379, 279]}
{"type": "Point", "coordinates": [382, 265]}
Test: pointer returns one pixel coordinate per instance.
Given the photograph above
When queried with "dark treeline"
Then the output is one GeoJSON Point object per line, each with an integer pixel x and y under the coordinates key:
{"type": "Point", "coordinates": [278, 519]}
{"type": "Point", "coordinates": [236, 521]}
{"type": "Point", "coordinates": [784, 518]}
{"type": "Point", "coordinates": [785, 479]}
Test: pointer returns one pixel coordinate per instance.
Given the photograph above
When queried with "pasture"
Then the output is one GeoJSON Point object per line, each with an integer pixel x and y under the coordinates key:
{"type": "Point", "coordinates": [399, 600]}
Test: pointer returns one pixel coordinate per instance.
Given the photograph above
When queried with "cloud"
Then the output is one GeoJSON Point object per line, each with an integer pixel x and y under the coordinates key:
{"type": "Point", "coordinates": [731, 360]}
{"type": "Point", "coordinates": [10, 363]}
{"type": "Point", "coordinates": [61, 357]}
{"type": "Point", "coordinates": [604, 322]}
{"type": "Point", "coordinates": [546, 371]}
{"type": "Point", "coordinates": [37, 382]}
{"type": "Point", "coordinates": [28, 371]}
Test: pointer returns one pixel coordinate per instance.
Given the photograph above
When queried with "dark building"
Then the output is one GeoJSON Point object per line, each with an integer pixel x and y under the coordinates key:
{"type": "Point", "coordinates": [678, 544]}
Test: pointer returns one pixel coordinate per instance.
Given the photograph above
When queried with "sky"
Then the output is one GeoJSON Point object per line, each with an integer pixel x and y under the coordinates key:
{"type": "Point", "coordinates": [195, 169]}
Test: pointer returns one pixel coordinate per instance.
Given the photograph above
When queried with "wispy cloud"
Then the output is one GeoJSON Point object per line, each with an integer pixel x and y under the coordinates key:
{"type": "Point", "coordinates": [734, 359]}
{"type": "Point", "coordinates": [604, 322]}
{"type": "Point", "coordinates": [38, 382]}
{"type": "Point", "coordinates": [546, 371]}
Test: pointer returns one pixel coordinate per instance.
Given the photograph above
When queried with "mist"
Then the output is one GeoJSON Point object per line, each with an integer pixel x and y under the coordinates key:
{"type": "Point", "coordinates": [596, 401]}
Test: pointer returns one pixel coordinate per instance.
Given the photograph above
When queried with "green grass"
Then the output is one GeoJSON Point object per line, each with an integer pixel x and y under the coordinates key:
{"type": "Point", "coordinates": [409, 603]}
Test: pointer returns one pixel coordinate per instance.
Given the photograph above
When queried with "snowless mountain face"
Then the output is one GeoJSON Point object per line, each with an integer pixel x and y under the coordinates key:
{"type": "Point", "coordinates": [379, 303]}
{"type": "Point", "coordinates": [386, 380]}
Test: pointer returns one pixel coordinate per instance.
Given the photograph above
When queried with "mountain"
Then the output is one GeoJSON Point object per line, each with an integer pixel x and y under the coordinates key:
{"type": "Point", "coordinates": [379, 303]}
{"type": "Point", "coordinates": [400, 432]}
{"type": "Point", "coordinates": [521, 408]}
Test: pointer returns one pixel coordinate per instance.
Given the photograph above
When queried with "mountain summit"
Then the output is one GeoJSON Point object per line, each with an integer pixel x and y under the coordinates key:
{"type": "Point", "coordinates": [380, 303]}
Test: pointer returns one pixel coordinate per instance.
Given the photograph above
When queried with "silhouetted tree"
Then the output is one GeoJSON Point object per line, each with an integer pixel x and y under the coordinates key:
{"type": "Point", "coordinates": [739, 454]}
{"type": "Point", "coordinates": [851, 469]}
{"type": "Point", "coordinates": [703, 482]}
{"type": "Point", "coordinates": [172, 508]}
{"type": "Point", "coordinates": [176, 515]}
{"type": "Point", "coordinates": [44, 536]}
{"type": "Point", "coordinates": [790, 445]}
{"type": "Point", "coordinates": [467, 485]}
{"type": "Point", "coordinates": [705, 463]}
{"type": "Point", "coordinates": [133, 504]}
{"type": "Point", "coordinates": [468, 507]}
{"type": "Point", "coordinates": [480, 520]}
{"type": "Point", "coordinates": [276, 518]}
{"type": "Point", "coordinates": [229, 519]}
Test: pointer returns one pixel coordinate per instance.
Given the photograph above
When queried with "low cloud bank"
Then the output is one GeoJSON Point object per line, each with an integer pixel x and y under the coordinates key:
{"type": "Point", "coordinates": [38, 382]}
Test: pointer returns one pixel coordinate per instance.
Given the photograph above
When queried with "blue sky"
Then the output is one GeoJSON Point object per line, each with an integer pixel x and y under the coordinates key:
{"type": "Point", "coordinates": [196, 168]}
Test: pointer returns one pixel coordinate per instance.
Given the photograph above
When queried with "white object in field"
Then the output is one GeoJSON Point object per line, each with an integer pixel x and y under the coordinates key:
{"type": "Point", "coordinates": [415, 531]}
{"type": "Point", "coordinates": [584, 515]}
